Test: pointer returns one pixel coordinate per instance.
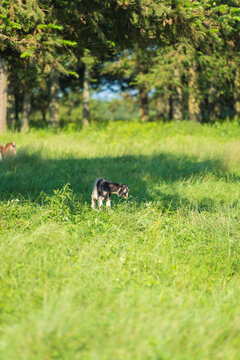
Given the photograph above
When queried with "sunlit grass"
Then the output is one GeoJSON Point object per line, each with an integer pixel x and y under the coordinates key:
{"type": "Point", "coordinates": [155, 278]}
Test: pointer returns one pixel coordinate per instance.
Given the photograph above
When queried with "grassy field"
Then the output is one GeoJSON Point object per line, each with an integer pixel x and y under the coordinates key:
{"type": "Point", "coordinates": [157, 278]}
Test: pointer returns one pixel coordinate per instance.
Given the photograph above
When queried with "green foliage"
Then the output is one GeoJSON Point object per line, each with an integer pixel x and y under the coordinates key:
{"type": "Point", "coordinates": [50, 26]}
{"type": "Point", "coordinates": [156, 277]}
{"type": "Point", "coordinates": [26, 25]}
{"type": "Point", "coordinates": [186, 52]}
{"type": "Point", "coordinates": [69, 43]}
{"type": "Point", "coordinates": [58, 203]}
{"type": "Point", "coordinates": [26, 54]}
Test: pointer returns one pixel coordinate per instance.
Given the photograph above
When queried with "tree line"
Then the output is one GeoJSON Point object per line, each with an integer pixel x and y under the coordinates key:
{"type": "Point", "coordinates": [182, 57]}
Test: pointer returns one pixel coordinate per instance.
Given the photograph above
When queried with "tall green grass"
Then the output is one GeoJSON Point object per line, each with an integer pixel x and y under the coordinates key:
{"type": "Point", "coordinates": [157, 277]}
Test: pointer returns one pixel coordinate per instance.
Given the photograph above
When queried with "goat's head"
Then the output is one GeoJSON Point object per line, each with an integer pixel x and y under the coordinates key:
{"type": "Point", "coordinates": [123, 191]}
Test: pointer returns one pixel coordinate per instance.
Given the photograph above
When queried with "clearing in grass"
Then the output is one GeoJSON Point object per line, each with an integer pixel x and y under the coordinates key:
{"type": "Point", "coordinates": [155, 278]}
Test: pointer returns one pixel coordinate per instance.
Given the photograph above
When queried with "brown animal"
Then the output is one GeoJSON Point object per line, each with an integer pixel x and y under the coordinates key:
{"type": "Point", "coordinates": [7, 151]}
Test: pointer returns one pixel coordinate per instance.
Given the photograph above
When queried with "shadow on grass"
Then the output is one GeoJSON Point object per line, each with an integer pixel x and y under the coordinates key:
{"type": "Point", "coordinates": [29, 175]}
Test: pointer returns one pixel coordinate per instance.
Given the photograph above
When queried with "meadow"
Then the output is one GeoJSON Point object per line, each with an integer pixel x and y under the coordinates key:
{"type": "Point", "coordinates": [156, 278]}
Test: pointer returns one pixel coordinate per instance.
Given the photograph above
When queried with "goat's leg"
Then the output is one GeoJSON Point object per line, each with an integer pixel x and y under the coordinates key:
{"type": "Point", "coordinates": [108, 203]}
{"type": "Point", "coordinates": [100, 203]}
{"type": "Point", "coordinates": [93, 203]}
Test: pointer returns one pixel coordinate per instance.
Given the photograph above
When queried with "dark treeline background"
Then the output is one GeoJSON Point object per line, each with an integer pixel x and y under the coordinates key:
{"type": "Point", "coordinates": [169, 60]}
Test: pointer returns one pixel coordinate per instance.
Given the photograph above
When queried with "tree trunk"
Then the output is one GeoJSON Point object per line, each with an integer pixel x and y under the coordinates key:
{"type": "Point", "coordinates": [11, 111]}
{"type": "Point", "coordinates": [54, 105]}
{"type": "Point", "coordinates": [26, 111]}
{"type": "Point", "coordinates": [160, 107]}
{"type": "Point", "coordinates": [143, 104]}
{"type": "Point", "coordinates": [211, 99]}
{"type": "Point", "coordinates": [44, 119]}
{"type": "Point", "coordinates": [215, 110]}
{"type": "Point", "coordinates": [86, 96]}
{"type": "Point", "coordinates": [3, 95]}
{"type": "Point", "coordinates": [168, 100]}
{"type": "Point", "coordinates": [193, 101]}
{"type": "Point", "coordinates": [16, 97]}
{"type": "Point", "coordinates": [177, 97]}
{"type": "Point", "coordinates": [237, 93]}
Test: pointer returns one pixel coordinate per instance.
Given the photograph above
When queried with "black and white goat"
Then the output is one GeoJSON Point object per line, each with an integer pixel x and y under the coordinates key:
{"type": "Point", "coordinates": [102, 190]}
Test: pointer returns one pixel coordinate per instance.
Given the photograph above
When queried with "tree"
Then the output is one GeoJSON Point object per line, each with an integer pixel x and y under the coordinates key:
{"type": "Point", "coordinates": [54, 93]}
{"type": "Point", "coordinates": [29, 33]}
{"type": "Point", "coordinates": [219, 58]}
{"type": "Point", "coordinates": [3, 95]}
{"type": "Point", "coordinates": [155, 47]}
{"type": "Point", "coordinates": [177, 96]}
{"type": "Point", "coordinates": [26, 111]}
{"type": "Point", "coordinates": [86, 95]}
{"type": "Point", "coordinates": [237, 92]}
{"type": "Point", "coordinates": [88, 62]}
{"type": "Point", "coordinates": [128, 70]}
{"type": "Point", "coordinates": [193, 98]}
